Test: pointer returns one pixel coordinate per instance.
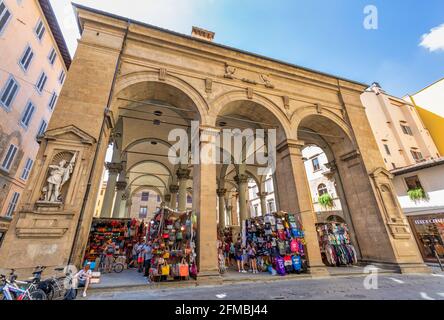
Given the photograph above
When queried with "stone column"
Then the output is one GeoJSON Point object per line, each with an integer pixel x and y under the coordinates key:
{"type": "Point", "coordinates": [262, 196]}
{"type": "Point", "coordinates": [174, 189]}
{"type": "Point", "coordinates": [221, 194]}
{"type": "Point", "coordinates": [107, 205]}
{"type": "Point", "coordinates": [120, 195]}
{"type": "Point", "coordinates": [204, 205]}
{"type": "Point", "coordinates": [129, 204]}
{"type": "Point", "coordinates": [183, 175]}
{"type": "Point", "coordinates": [242, 182]}
{"type": "Point", "coordinates": [234, 205]}
{"type": "Point", "coordinates": [295, 196]}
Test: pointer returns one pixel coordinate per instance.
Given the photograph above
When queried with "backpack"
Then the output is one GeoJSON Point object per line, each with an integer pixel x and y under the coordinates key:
{"type": "Point", "coordinates": [281, 247]}
{"type": "Point", "coordinates": [297, 262]}
{"type": "Point", "coordinates": [288, 263]}
{"type": "Point", "coordinates": [70, 294]}
{"type": "Point", "coordinates": [280, 266]}
{"type": "Point", "coordinates": [294, 246]}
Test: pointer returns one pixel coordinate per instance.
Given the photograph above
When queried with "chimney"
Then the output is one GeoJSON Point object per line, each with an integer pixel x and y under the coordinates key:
{"type": "Point", "coordinates": [202, 34]}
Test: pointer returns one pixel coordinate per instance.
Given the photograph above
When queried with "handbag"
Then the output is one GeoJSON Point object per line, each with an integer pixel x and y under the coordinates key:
{"type": "Point", "coordinates": [184, 269]}
{"type": "Point", "coordinates": [165, 269]}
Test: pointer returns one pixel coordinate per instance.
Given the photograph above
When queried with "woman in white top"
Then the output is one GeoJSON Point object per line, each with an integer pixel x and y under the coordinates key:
{"type": "Point", "coordinates": [84, 278]}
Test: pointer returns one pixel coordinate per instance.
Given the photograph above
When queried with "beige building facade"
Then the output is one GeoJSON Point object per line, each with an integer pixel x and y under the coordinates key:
{"type": "Point", "coordinates": [34, 60]}
{"type": "Point", "coordinates": [142, 79]}
{"type": "Point", "coordinates": [400, 133]}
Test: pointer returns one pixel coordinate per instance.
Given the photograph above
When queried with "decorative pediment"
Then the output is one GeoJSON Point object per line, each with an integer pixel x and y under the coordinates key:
{"type": "Point", "coordinates": [381, 172]}
{"type": "Point", "coordinates": [69, 133]}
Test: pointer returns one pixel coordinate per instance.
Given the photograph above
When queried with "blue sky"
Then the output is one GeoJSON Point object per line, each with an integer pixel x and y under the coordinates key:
{"type": "Point", "coordinates": [324, 35]}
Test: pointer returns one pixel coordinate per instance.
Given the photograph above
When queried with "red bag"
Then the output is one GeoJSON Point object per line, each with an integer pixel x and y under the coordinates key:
{"type": "Point", "coordinates": [140, 259]}
{"type": "Point", "coordinates": [184, 270]}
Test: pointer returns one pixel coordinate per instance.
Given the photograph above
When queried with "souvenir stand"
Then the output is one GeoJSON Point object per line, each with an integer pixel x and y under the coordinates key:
{"type": "Point", "coordinates": [123, 232]}
{"type": "Point", "coordinates": [173, 241]}
{"type": "Point", "coordinates": [336, 247]}
{"type": "Point", "coordinates": [279, 242]}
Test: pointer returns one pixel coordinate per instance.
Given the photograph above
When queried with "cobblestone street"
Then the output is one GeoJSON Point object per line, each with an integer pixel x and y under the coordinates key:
{"type": "Point", "coordinates": [390, 287]}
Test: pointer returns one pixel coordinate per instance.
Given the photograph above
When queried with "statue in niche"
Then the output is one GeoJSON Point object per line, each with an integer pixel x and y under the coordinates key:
{"type": "Point", "coordinates": [58, 176]}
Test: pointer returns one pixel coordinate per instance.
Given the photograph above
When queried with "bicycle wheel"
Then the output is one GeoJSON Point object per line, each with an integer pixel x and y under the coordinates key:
{"type": "Point", "coordinates": [37, 294]}
{"type": "Point", "coordinates": [118, 267]}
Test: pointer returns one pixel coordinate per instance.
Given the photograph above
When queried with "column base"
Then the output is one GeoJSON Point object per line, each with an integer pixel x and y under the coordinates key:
{"type": "Point", "coordinates": [320, 271]}
{"type": "Point", "coordinates": [206, 278]}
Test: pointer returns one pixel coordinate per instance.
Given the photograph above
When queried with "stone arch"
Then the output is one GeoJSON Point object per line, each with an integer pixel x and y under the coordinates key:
{"type": "Point", "coordinates": [225, 99]}
{"type": "Point", "coordinates": [150, 161]}
{"type": "Point", "coordinates": [148, 175]}
{"type": "Point", "coordinates": [143, 140]}
{"type": "Point", "coordinates": [126, 81]}
{"type": "Point", "coordinates": [302, 113]}
{"type": "Point", "coordinates": [133, 193]}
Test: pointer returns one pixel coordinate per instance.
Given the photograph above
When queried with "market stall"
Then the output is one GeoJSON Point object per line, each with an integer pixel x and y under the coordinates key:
{"type": "Point", "coordinates": [173, 245]}
{"type": "Point", "coordinates": [124, 233]}
{"type": "Point", "coordinates": [336, 247]}
{"type": "Point", "coordinates": [278, 241]}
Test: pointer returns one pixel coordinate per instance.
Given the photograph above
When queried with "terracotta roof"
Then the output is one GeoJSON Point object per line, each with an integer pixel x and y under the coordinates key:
{"type": "Point", "coordinates": [56, 31]}
{"type": "Point", "coordinates": [418, 166]}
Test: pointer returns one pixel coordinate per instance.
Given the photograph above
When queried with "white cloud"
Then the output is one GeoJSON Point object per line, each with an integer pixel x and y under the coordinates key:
{"type": "Point", "coordinates": [434, 40]}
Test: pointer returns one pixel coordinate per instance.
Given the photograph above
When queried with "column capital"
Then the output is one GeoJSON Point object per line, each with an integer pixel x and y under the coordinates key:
{"type": "Point", "coordinates": [183, 174]}
{"type": "Point", "coordinates": [114, 167]}
{"type": "Point", "coordinates": [241, 178]}
{"type": "Point", "coordinates": [121, 185]}
{"type": "Point", "coordinates": [209, 130]}
{"type": "Point", "coordinates": [290, 144]}
{"type": "Point", "coordinates": [262, 195]}
{"type": "Point", "coordinates": [221, 192]}
{"type": "Point", "coordinates": [174, 188]}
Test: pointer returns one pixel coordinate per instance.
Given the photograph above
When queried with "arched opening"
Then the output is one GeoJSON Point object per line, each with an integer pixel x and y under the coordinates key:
{"type": "Point", "coordinates": [325, 155]}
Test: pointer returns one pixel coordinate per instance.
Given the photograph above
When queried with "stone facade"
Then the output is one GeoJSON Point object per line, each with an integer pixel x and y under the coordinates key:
{"type": "Point", "coordinates": [17, 37]}
{"type": "Point", "coordinates": [209, 83]}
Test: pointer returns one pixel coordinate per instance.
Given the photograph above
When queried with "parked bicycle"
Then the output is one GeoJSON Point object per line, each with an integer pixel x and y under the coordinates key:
{"type": "Point", "coordinates": [117, 267]}
{"type": "Point", "coordinates": [12, 291]}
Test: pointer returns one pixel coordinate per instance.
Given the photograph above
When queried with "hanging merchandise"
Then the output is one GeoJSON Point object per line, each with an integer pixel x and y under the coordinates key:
{"type": "Point", "coordinates": [335, 244]}
{"type": "Point", "coordinates": [173, 240]}
{"type": "Point", "coordinates": [123, 233]}
{"type": "Point", "coordinates": [278, 242]}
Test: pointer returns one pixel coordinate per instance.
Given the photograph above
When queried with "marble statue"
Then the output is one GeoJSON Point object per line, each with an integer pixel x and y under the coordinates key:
{"type": "Point", "coordinates": [58, 176]}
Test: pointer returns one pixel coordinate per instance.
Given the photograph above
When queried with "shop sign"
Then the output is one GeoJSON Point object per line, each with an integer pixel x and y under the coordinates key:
{"type": "Point", "coordinates": [430, 221]}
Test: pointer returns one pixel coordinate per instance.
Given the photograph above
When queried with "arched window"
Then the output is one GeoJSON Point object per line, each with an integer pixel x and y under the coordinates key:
{"type": "Point", "coordinates": [322, 189]}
